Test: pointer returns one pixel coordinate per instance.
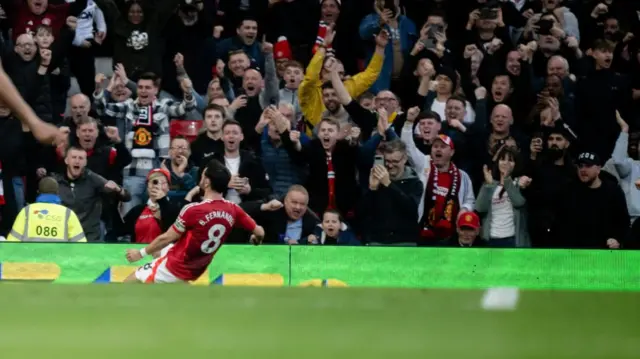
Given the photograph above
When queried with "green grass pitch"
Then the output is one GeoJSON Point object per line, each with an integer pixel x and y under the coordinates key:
{"type": "Point", "coordinates": [185, 322]}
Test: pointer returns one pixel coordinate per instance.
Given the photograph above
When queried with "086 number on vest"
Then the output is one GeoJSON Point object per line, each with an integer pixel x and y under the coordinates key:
{"type": "Point", "coordinates": [46, 231]}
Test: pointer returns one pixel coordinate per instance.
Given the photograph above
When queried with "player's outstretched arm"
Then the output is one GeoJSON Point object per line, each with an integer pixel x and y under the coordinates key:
{"type": "Point", "coordinates": [45, 133]}
{"type": "Point", "coordinates": [163, 240]}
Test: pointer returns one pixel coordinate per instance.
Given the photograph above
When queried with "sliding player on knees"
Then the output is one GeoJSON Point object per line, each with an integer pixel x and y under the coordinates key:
{"type": "Point", "coordinates": [45, 133]}
{"type": "Point", "coordinates": [198, 233]}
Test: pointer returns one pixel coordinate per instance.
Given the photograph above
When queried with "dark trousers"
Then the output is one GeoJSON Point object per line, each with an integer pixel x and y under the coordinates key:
{"type": "Point", "coordinates": [83, 67]}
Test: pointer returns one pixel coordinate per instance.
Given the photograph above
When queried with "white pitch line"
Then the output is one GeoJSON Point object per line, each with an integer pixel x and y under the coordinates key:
{"type": "Point", "coordinates": [503, 299]}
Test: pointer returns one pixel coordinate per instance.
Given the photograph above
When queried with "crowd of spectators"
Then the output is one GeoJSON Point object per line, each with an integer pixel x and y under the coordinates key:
{"type": "Point", "coordinates": [511, 123]}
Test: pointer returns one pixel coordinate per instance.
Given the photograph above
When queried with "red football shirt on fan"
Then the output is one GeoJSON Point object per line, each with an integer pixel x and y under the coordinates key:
{"type": "Point", "coordinates": [204, 227]}
{"type": "Point", "coordinates": [26, 21]}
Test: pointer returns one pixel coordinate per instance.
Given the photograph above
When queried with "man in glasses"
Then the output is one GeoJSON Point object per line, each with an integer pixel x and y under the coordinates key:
{"type": "Point", "coordinates": [183, 172]}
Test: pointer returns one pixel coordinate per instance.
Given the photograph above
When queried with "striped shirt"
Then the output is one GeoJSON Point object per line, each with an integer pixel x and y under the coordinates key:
{"type": "Point", "coordinates": [128, 111]}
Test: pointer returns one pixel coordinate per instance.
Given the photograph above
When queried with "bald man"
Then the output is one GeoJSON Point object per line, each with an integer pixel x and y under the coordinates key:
{"type": "Point", "coordinates": [80, 107]}
{"type": "Point", "coordinates": [501, 120]}
{"type": "Point", "coordinates": [45, 133]}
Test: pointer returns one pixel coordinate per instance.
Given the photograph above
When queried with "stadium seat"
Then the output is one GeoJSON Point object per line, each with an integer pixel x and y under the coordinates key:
{"type": "Point", "coordinates": [187, 129]}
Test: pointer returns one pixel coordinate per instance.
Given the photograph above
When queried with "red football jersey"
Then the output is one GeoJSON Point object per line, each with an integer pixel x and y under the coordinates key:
{"type": "Point", "coordinates": [26, 22]}
{"type": "Point", "coordinates": [204, 227]}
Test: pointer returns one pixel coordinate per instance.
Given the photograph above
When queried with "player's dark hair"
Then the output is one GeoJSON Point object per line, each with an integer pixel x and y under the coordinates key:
{"type": "Point", "coordinates": [218, 175]}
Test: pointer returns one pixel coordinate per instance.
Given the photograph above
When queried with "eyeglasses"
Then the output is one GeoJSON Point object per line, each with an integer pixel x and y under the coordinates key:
{"type": "Point", "coordinates": [25, 45]}
{"type": "Point", "coordinates": [180, 148]}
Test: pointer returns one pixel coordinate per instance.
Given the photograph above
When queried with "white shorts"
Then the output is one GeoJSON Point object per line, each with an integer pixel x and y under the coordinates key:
{"type": "Point", "coordinates": [156, 271]}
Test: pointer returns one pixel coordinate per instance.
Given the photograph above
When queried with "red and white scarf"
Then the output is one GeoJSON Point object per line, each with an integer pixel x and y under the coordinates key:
{"type": "Point", "coordinates": [1, 185]}
{"type": "Point", "coordinates": [331, 184]}
{"type": "Point", "coordinates": [441, 203]}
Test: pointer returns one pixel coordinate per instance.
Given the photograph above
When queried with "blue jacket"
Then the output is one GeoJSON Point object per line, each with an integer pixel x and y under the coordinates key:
{"type": "Point", "coordinates": [369, 26]}
{"type": "Point", "coordinates": [234, 43]}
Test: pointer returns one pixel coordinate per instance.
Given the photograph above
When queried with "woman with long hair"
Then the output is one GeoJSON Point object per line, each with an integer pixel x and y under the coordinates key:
{"type": "Point", "coordinates": [501, 204]}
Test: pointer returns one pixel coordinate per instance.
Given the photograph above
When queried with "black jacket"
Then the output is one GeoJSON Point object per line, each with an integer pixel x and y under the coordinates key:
{"type": "Point", "coordinates": [344, 158]}
{"type": "Point", "coordinates": [391, 213]}
{"type": "Point", "coordinates": [275, 223]}
{"type": "Point", "coordinates": [588, 217]}
{"type": "Point", "coordinates": [251, 168]}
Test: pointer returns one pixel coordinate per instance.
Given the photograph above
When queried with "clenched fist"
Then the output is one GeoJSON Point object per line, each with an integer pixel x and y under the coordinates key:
{"type": "Point", "coordinates": [100, 78]}
{"type": "Point", "coordinates": [186, 85]}
{"type": "Point", "coordinates": [45, 57]}
{"type": "Point", "coordinates": [72, 22]}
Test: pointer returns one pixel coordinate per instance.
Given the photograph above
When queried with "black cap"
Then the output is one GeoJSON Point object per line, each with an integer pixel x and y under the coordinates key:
{"type": "Point", "coordinates": [589, 158]}
{"type": "Point", "coordinates": [563, 129]}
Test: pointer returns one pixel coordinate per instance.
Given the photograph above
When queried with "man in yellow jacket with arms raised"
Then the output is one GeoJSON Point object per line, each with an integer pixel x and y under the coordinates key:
{"type": "Point", "coordinates": [310, 91]}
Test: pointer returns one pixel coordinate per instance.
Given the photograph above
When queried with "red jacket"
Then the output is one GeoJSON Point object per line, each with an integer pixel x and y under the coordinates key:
{"type": "Point", "coordinates": [26, 22]}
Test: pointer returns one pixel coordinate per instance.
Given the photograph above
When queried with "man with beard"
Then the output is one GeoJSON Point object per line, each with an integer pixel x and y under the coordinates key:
{"type": "Point", "coordinates": [147, 122]}
{"type": "Point", "coordinates": [448, 194]}
{"type": "Point", "coordinates": [593, 213]}
{"type": "Point", "coordinates": [81, 190]}
{"type": "Point", "coordinates": [552, 174]}
{"type": "Point", "coordinates": [290, 223]}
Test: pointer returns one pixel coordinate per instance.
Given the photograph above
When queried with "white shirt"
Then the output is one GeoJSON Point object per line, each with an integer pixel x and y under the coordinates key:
{"type": "Point", "coordinates": [439, 107]}
{"type": "Point", "coordinates": [233, 165]}
{"type": "Point", "coordinates": [502, 225]}
{"type": "Point", "coordinates": [84, 28]}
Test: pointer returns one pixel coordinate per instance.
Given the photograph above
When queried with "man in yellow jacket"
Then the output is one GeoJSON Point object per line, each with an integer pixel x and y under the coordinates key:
{"type": "Point", "coordinates": [310, 91]}
{"type": "Point", "coordinates": [47, 220]}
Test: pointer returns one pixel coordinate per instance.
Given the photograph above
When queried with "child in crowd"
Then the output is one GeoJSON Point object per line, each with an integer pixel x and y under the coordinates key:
{"type": "Point", "coordinates": [333, 231]}
{"type": "Point", "coordinates": [60, 77]}
{"type": "Point", "coordinates": [293, 74]}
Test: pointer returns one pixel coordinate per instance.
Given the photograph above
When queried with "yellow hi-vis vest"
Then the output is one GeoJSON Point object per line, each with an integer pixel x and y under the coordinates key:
{"type": "Point", "coordinates": [46, 222]}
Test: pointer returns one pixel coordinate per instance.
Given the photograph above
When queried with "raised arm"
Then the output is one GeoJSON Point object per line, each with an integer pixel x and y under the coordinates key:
{"type": "Point", "coordinates": [117, 110]}
{"type": "Point", "coordinates": [271, 92]}
{"type": "Point", "coordinates": [620, 156]}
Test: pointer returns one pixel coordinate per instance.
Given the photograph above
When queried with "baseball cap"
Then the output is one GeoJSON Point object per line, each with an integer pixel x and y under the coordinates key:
{"type": "Point", "coordinates": [589, 158]}
{"type": "Point", "coordinates": [469, 220]}
{"type": "Point", "coordinates": [446, 139]}
{"type": "Point", "coordinates": [159, 171]}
